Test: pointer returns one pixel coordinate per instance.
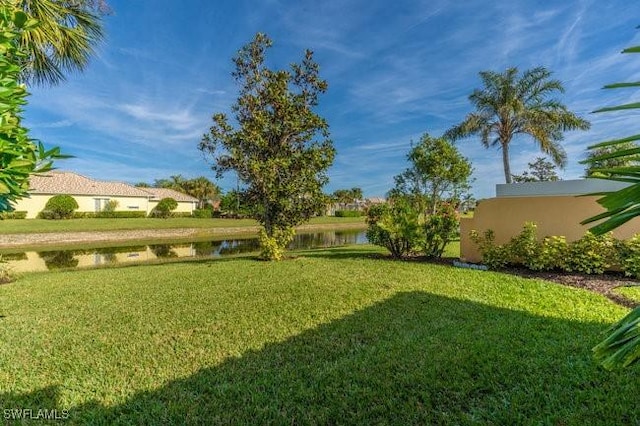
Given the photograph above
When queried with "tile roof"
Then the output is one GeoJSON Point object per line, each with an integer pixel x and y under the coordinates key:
{"type": "Point", "coordinates": [160, 193]}
{"type": "Point", "coordinates": [59, 182]}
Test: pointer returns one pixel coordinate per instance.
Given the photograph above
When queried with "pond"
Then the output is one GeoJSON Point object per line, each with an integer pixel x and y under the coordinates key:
{"type": "Point", "coordinates": [47, 260]}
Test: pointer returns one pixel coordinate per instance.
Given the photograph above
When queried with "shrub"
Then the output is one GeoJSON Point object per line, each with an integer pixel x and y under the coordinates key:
{"type": "Point", "coordinates": [494, 256]}
{"type": "Point", "coordinates": [203, 213]}
{"type": "Point", "coordinates": [13, 215]}
{"type": "Point", "coordinates": [348, 213]}
{"type": "Point", "coordinates": [164, 208]}
{"type": "Point", "coordinates": [591, 254]}
{"type": "Point", "coordinates": [439, 230]}
{"type": "Point", "coordinates": [109, 209]}
{"type": "Point", "coordinates": [59, 207]}
{"type": "Point", "coordinates": [630, 256]}
{"type": "Point", "coordinates": [396, 227]}
{"type": "Point", "coordinates": [552, 254]}
{"type": "Point", "coordinates": [181, 214]}
{"type": "Point", "coordinates": [272, 248]}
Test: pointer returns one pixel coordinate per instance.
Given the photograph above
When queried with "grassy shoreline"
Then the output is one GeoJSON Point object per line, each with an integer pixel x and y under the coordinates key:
{"type": "Point", "coordinates": [333, 336]}
{"type": "Point", "coordinates": [33, 226]}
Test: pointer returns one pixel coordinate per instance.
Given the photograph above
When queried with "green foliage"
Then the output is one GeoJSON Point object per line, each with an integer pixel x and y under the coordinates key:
{"type": "Point", "coordinates": [512, 104]}
{"type": "Point", "coordinates": [439, 230]}
{"type": "Point", "coordinates": [599, 160]}
{"type": "Point", "coordinates": [591, 254]}
{"type": "Point", "coordinates": [272, 247]}
{"type": "Point", "coordinates": [621, 348]}
{"type": "Point", "coordinates": [495, 256]}
{"type": "Point", "coordinates": [203, 213]}
{"type": "Point", "coordinates": [624, 204]}
{"type": "Point", "coordinates": [630, 256]}
{"type": "Point", "coordinates": [13, 215]}
{"type": "Point", "coordinates": [59, 207]}
{"type": "Point", "coordinates": [164, 208]}
{"type": "Point", "coordinates": [281, 149]}
{"type": "Point", "coordinates": [109, 209]}
{"type": "Point", "coordinates": [348, 213]}
{"type": "Point", "coordinates": [541, 170]}
{"type": "Point", "coordinates": [347, 196]}
{"type": "Point", "coordinates": [64, 39]}
{"type": "Point", "coordinates": [437, 171]}
{"type": "Point", "coordinates": [396, 227]}
{"type": "Point", "coordinates": [20, 156]}
{"type": "Point", "coordinates": [552, 254]}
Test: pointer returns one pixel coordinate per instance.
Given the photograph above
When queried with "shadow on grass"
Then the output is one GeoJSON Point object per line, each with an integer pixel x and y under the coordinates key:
{"type": "Point", "coordinates": [415, 358]}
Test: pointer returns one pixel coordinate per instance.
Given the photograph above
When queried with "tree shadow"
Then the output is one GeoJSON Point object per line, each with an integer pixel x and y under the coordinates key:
{"type": "Point", "coordinates": [415, 358]}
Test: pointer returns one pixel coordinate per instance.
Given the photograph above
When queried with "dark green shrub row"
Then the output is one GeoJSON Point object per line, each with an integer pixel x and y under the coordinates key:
{"type": "Point", "coordinates": [590, 254]}
{"type": "Point", "coordinates": [348, 213]}
{"type": "Point", "coordinates": [181, 214]}
{"type": "Point", "coordinates": [13, 215]}
{"type": "Point", "coordinates": [203, 213]}
{"type": "Point", "coordinates": [108, 214]}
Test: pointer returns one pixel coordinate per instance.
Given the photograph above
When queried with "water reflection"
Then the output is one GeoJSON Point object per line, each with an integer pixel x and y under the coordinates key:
{"type": "Point", "coordinates": [62, 259]}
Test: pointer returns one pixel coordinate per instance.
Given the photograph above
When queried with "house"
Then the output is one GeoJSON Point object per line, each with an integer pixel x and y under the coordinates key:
{"type": "Point", "coordinates": [92, 195]}
{"type": "Point", "coordinates": [557, 208]}
{"type": "Point", "coordinates": [186, 203]}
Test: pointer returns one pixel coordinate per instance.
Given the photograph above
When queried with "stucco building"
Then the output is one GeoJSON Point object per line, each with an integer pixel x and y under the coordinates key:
{"type": "Point", "coordinates": [92, 195]}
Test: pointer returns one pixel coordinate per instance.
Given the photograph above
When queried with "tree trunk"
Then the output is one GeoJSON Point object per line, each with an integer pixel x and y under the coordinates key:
{"type": "Point", "coordinates": [505, 162]}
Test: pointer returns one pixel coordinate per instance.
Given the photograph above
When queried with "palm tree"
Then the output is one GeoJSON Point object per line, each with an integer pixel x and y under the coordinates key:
{"type": "Point", "coordinates": [202, 189]}
{"type": "Point", "coordinates": [510, 104]}
{"type": "Point", "coordinates": [63, 41]}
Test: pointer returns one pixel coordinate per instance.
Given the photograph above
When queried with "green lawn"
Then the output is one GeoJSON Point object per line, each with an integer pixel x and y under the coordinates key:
{"type": "Point", "coordinates": [632, 293]}
{"type": "Point", "coordinates": [41, 225]}
{"type": "Point", "coordinates": [333, 336]}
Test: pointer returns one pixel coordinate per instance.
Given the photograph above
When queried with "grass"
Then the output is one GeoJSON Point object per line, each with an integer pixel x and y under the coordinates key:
{"type": "Point", "coordinates": [27, 226]}
{"type": "Point", "coordinates": [632, 292]}
{"type": "Point", "coordinates": [333, 336]}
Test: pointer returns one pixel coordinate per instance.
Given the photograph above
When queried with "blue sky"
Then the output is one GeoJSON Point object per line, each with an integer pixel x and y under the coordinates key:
{"type": "Point", "coordinates": [395, 70]}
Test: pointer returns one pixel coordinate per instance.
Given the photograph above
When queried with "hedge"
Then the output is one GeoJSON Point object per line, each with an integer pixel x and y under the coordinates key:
{"type": "Point", "coordinates": [13, 215]}
{"type": "Point", "coordinates": [115, 215]}
{"type": "Point", "coordinates": [348, 213]}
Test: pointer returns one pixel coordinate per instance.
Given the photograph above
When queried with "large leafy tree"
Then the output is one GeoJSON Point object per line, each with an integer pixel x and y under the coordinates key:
{"type": "Point", "coordinates": [540, 170]}
{"type": "Point", "coordinates": [20, 156]}
{"type": "Point", "coordinates": [437, 171]}
{"type": "Point", "coordinates": [622, 347]}
{"type": "Point", "coordinates": [279, 148]}
{"type": "Point", "coordinates": [63, 41]}
{"type": "Point", "coordinates": [511, 104]}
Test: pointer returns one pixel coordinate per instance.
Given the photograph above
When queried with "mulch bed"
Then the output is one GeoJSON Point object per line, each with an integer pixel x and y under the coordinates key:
{"type": "Point", "coordinates": [603, 284]}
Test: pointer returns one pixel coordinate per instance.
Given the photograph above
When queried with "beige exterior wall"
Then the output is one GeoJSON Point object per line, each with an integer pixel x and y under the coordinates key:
{"type": "Point", "coordinates": [86, 203]}
{"type": "Point", "coordinates": [553, 215]}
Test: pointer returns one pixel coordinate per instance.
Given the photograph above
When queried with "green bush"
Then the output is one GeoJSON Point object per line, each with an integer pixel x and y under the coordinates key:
{"type": "Point", "coordinates": [493, 255]}
{"type": "Point", "coordinates": [630, 256]}
{"type": "Point", "coordinates": [59, 207]}
{"type": "Point", "coordinates": [348, 213]}
{"type": "Point", "coordinates": [13, 215]}
{"type": "Point", "coordinates": [439, 230]}
{"type": "Point", "coordinates": [164, 208]}
{"type": "Point", "coordinates": [552, 254]}
{"type": "Point", "coordinates": [273, 248]}
{"type": "Point", "coordinates": [396, 227]}
{"type": "Point", "coordinates": [181, 214]}
{"type": "Point", "coordinates": [591, 254]}
{"type": "Point", "coordinates": [203, 213]}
